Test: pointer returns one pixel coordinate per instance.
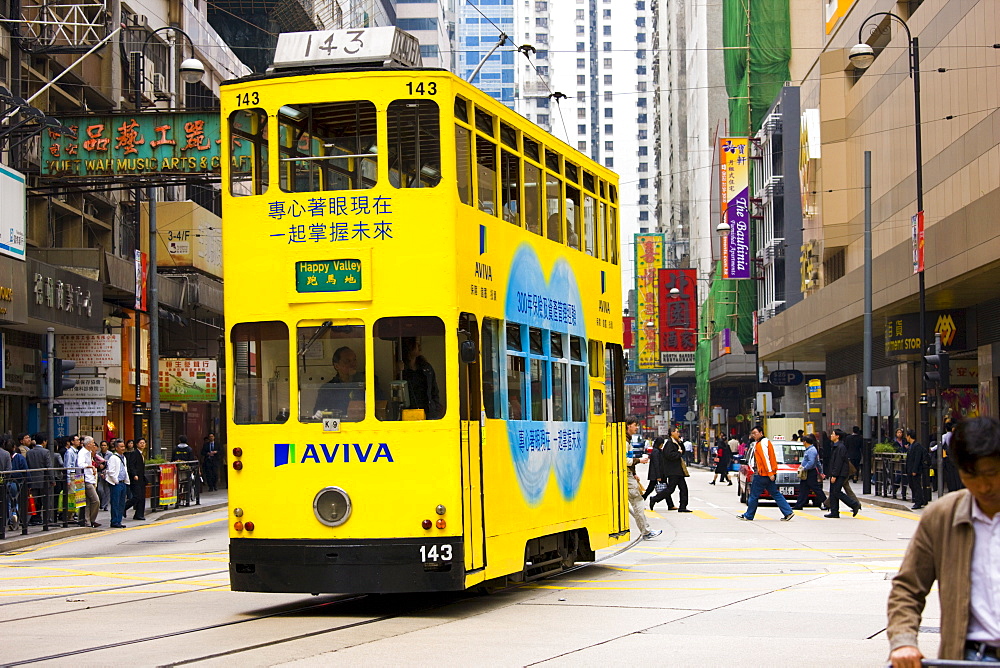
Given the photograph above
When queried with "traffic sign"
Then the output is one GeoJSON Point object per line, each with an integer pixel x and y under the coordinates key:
{"type": "Point", "coordinates": [784, 377]}
{"type": "Point", "coordinates": [690, 415]}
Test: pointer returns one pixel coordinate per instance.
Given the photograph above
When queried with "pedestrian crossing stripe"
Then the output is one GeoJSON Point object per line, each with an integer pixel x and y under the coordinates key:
{"type": "Point", "coordinates": [800, 513]}
{"type": "Point", "coordinates": [703, 515]}
{"type": "Point", "coordinates": [896, 513]}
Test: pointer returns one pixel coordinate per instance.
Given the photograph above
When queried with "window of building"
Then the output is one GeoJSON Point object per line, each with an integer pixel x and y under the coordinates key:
{"type": "Point", "coordinates": [643, 150]}
{"type": "Point", "coordinates": [641, 86]}
{"type": "Point", "coordinates": [541, 38]}
{"type": "Point", "coordinates": [609, 146]}
{"type": "Point", "coordinates": [409, 359]}
{"type": "Point", "coordinates": [580, 48]}
{"type": "Point", "coordinates": [607, 30]}
{"type": "Point", "coordinates": [541, 22]}
{"type": "Point", "coordinates": [414, 152]}
{"type": "Point", "coordinates": [640, 21]}
{"type": "Point", "coordinates": [261, 391]}
{"type": "Point", "coordinates": [643, 167]}
{"type": "Point", "coordinates": [643, 199]}
{"type": "Point", "coordinates": [607, 79]}
{"type": "Point", "coordinates": [541, 6]}
{"type": "Point", "coordinates": [581, 112]}
{"type": "Point", "coordinates": [417, 24]}
{"type": "Point", "coordinates": [248, 139]}
{"type": "Point", "coordinates": [606, 13]}
{"type": "Point", "coordinates": [336, 133]}
{"type": "Point", "coordinates": [429, 50]}
{"type": "Point", "coordinates": [640, 54]}
{"type": "Point", "coordinates": [608, 112]}
{"type": "Point", "coordinates": [606, 46]}
{"type": "Point", "coordinates": [580, 15]}
{"type": "Point", "coordinates": [607, 63]}
{"type": "Point", "coordinates": [640, 37]}
{"type": "Point", "coordinates": [542, 102]}
{"type": "Point", "coordinates": [608, 96]}
{"type": "Point", "coordinates": [644, 215]}
{"type": "Point", "coordinates": [542, 54]}
{"type": "Point", "coordinates": [581, 129]}
{"type": "Point", "coordinates": [641, 118]}
{"type": "Point", "coordinates": [581, 146]}
{"type": "Point", "coordinates": [332, 373]}
{"type": "Point", "coordinates": [641, 70]}
{"type": "Point", "coordinates": [643, 183]}
{"type": "Point", "coordinates": [580, 30]}
{"type": "Point", "coordinates": [609, 163]}
{"type": "Point", "coordinates": [581, 79]}
{"type": "Point", "coordinates": [640, 6]}
{"type": "Point", "coordinates": [543, 119]}
{"type": "Point", "coordinates": [609, 129]}
{"type": "Point", "coordinates": [641, 102]}
{"type": "Point", "coordinates": [581, 96]}
{"type": "Point", "coordinates": [643, 134]}
{"type": "Point", "coordinates": [543, 70]}
{"type": "Point", "coordinates": [581, 63]}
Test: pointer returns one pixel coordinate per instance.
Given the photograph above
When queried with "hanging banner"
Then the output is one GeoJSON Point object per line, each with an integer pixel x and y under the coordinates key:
{"type": "Point", "coordinates": [734, 169]}
{"type": "Point", "coordinates": [141, 274]}
{"type": "Point", "coordinates": [678, 312]}
{"type": "Point", "coordinates": [168, 484]}
{"type": "Point", "coordinates": [917, 228]}
{"type": "Point", "coordinates": [648, 260]}
{"type": "Point", "coordinates": [78, 497]}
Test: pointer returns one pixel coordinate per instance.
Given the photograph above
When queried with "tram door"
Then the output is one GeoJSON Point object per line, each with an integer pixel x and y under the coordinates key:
{"type": "Point", "coordinates": [470, 407]}
{"type": "Point", "coordinates": [616, 442]}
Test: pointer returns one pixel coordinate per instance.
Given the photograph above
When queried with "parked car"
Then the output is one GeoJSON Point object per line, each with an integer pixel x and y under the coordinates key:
{"type": "Point", "coordinates": [789, 455]}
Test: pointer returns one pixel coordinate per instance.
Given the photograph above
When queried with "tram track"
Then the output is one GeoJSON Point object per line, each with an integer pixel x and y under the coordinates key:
{"type": "Point", "coordinates": [408, 610]}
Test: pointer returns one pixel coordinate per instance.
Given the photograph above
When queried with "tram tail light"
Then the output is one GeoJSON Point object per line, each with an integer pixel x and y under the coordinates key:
{"type": "Point", "coordinates": [441, 523]}
{"type": "Point", "coordinates": [237, 452]}
{"type": "Point", "coordinates": [427, 524]}
{"type": "Point", "coordinates": [248, 526]}
{"type": "Point", "coordinates": [238, 525]}
{"type": "Point", "coordinates": [238, 465]}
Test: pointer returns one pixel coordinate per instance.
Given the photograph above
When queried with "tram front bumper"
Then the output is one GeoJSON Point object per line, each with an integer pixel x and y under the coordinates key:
{"type": "Point", "coordinates": [368, 566]}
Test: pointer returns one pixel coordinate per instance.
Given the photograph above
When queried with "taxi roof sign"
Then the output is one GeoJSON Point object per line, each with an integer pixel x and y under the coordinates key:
{"type": "Point", "coordinates": [382, 47]}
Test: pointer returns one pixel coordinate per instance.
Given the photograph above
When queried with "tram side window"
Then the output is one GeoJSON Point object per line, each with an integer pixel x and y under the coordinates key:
{"type": "Point", "coordinates": [331, 360]}
{"type": "Point", "coordinates": [486, 174]}
{"type": "Point", "coordinates": [409, 356]}
{"type": "Point", "coordinates": [510, 186]}
{"type": "Point", "coordinates": [492, 392]}
{"type": "Point", "coordinates": [463, 156]}
{"type": "Point", "coordinates": [248, 152]}
{"type": "Point", "coordinates": [613, 233]}
{"type": "Point", "coordinates": [560, 377]}
{"type": "Point", "coordinates": [414, 146]}
{"type": "Point", "coordinates": [602, 230]}
{"type": "Point", "coordinates": [590, 223]}
{"type": "Point", "coordinates": [328, 146]}
{"type": "Point", "coordinates": [532, 197]}
{"type": "Point", "coordinates": [260, 373]}
{"type": "Point", "coordinates": [573, 217]}
{"type": "Point", "coordinates": [614, 382]}
{"type": "Point", "coordinates": [578, 380]}
{"type": "Point", "coordinates": [553, 207]}
{"type": "Point", "coordinates": [517, 380]}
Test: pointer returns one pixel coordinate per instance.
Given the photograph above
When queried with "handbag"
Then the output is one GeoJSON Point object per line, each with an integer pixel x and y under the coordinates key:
{"type": "Point", "coordinates": [803, 473]}
{"type": "Point", "coordinates": [684, 468]}
{"type": "Point", "coordinates": [661, 487]}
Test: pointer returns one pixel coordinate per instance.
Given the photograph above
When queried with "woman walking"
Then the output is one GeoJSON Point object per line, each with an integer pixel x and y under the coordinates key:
{"type": "Point", "coordinates": [725, 458]}
{"type": "Point", "coordinates": [658, 476]}
{"type": "Point", "coordinates": [676, 471]}
{"type": "Point", "coordinates": [813, 469]}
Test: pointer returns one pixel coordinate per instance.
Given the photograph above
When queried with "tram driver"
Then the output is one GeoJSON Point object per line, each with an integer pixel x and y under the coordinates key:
{"type": "Point", "coordinates": [342, 396]}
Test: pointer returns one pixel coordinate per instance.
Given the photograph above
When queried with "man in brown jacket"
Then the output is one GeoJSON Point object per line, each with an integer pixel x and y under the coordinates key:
{"type": "Point", "coordinates": [956, 543]}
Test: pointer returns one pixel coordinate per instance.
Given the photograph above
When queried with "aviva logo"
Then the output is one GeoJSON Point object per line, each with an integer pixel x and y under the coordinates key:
{"type": "Point", "coordinates": [288, 453]}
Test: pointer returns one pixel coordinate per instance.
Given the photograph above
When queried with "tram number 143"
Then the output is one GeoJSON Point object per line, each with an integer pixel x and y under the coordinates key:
{"type": "Point", "coordinates": [435, 553]}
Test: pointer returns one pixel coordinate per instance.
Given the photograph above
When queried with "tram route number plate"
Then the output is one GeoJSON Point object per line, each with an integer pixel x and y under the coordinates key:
{"type": "Point", "coordinates": [435, 553]}
{"type": "Point", "coordinates": [331, 424]}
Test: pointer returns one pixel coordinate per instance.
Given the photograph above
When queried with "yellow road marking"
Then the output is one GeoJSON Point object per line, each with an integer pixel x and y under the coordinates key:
{"type": "Point", "coordinates": [703, 515]}
{"type": "Point", "coordinates": [802, 513]}
{"type": "Point", "coordinates": [201, 524]}
{"type": "Point", "coordinates": [859, 516]}
{"type": "Point", "coordinates": [896, 513]}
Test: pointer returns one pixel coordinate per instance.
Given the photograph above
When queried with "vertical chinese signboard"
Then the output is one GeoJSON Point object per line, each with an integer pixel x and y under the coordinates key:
{"type": "Point", "coordinates": [648, 260]}
{"type": "Point", "coordinates": [678, 313]}
{"type": "Point", "coordinates": [917, 225]}
{"type": "Point", "coordinates": [734, 170]}
{"type": "Point", "coordinates": [168, 484]}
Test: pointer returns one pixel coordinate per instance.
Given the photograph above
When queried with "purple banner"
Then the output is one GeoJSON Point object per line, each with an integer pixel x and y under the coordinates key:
{"type": "Point", "coordinates": [738, 217]}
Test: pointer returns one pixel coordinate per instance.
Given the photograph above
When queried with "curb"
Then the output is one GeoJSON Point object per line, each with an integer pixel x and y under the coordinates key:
{"type": "Point", "coordinates": [57, 533]}
{"type": "Point", "coordinates": [895, 504]}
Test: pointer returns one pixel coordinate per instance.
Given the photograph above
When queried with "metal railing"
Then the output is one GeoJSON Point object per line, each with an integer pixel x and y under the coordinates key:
{"type": "Point", "coordinates": [889, 477]}
{"type": "Point", "coordinates": [43, 497]}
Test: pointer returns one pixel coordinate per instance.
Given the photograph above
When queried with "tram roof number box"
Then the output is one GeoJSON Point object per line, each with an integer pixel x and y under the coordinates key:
{"type": "Point", "coordinates": [383, 46]}
{"type": "Point", "coordinates": [328, 276]}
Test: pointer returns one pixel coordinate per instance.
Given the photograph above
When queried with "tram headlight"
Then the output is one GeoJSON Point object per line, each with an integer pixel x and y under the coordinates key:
{"type": "Point", "coordinates": [332, 506]}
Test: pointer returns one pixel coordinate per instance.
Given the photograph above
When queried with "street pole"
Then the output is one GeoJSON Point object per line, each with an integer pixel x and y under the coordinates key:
{"type": "Point", "coordinates": [50, 374]}
{"type": "Point", "coordinates": [154, 331]}
{"type": "Point", "coordinates": [940, 410]}
{"type": "Point", "coordinates": [915, 74]}
{"type": "Point", "coordinates": [866, 461]}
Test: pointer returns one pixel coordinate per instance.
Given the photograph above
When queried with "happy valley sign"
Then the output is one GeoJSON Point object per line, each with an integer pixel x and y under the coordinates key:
{"type": "Point", "coordinates": [136, 144]}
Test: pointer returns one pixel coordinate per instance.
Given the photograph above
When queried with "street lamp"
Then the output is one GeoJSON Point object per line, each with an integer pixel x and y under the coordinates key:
{"type": "Point", "coordinates": [862, 55]}
{"type": "Point", "coordinates": [191, 71]}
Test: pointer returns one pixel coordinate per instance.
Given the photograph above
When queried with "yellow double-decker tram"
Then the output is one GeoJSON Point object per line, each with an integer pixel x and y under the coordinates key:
{"type": "Point", "coordinates": [423, 298]}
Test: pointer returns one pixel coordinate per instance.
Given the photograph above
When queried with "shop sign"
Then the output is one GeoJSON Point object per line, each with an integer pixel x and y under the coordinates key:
{"type": "Point", "coordinates": [648, 261]}
{"type": "Point", "coordinates": [113, 381]}
{"type": "Point", "coordinates": [734, 172]}
{"type": "Point", "coordinates": [84, 407]}
{"type": "Point", "coordinates": [145, 144]}
{"type": "Point", "coordinates": [678, 312]}
{"type": "Point", "coordinates": [13, 301]}
{"type": "Point", "coordinates": [185, 379]}
{"type": "Point", "coordinates": [88, 387]}
{"type": "Point", "coordinates": [13, 214]}
{"type": "Point", "coordinates": [676, 359]}
{"type": "Point", "coordinates": [963, 372]}
{"type": "Point", "coordinates": [90, 349]}
{"type": "Point", "coordinates": [815, 388]}
{"type": "Point", "coordinates": [64, 297]}
{"type": "Point", "coordinates": [902, 332]}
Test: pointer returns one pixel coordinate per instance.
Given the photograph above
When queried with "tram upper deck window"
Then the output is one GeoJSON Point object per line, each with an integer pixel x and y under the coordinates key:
{"type": "Point", "coordinates": [260, 373]}
{"type": "Point", "coordinates": [510, 186]}
{"type": "Point", "coordinates": [409, 357]}
{"type": "Point", "coordinates": [486, 174]}
{"type": "Point", "coordinates": [328, 146]}
{"type": "Point", "coordinates": [248, 152]}
{"type": "Point", "coordinates": [414, 151]}
{"type": "Point", "coordinates": [463, 163]}
{"type": "Point", "coordinates": [331, 361]}
{"type": "Point", "coordinates": [573, 215]}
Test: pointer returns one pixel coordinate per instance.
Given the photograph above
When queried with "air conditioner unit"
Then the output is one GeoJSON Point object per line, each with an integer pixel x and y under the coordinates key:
{"type": "Point", "coordinates": [159, 84]}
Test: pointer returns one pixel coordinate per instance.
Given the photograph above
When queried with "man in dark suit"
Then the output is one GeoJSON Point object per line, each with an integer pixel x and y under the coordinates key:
{"type": "Point", "coordinates": [838, 470]}
{"type": "Point", "coordinates": [855, 445]}
{"type": "Point", "coordinates": [39, 481]}
{"type": "Point", "coordinates": [210, 456]}
{"type": "Point", "coordinates": [916, 462]}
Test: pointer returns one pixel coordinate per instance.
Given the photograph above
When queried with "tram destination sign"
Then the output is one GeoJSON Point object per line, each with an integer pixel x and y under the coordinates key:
{"type": "Point", "coordinates": [386, 44]}
{"type": "Point", "coordinates": [144, 144]}
{"type": "Point", "coordinates": [328, 276]}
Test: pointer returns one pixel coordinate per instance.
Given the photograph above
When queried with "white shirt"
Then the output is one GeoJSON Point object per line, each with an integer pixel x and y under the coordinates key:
{"type": "Point", "coordinates": [117, 470]}
{"type": "Point", "coordinates": [86, 460]}
{"type": "Point", "coordinates": [984, 599]}
{"type": "Point", "coordinates": [688, 446]}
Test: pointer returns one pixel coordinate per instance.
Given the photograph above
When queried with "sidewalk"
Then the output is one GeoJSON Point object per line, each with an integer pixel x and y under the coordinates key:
{"type": "Point", "coordinates": [15, 541]}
